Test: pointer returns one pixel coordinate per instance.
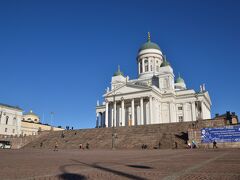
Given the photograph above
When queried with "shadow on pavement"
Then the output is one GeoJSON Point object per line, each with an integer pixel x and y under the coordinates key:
{"type": "Point", "coordinates": [71, 176]}
{"type": "Point", "coordinates": [119, 173]}
{"type": "Point", "coordinates": [140, 166]}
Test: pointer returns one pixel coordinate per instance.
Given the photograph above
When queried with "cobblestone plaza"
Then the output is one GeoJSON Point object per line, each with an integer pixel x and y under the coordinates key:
{"type": "Point", "coordinates": [120, 164]}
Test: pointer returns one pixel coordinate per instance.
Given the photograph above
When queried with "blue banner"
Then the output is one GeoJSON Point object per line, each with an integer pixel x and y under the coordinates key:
{"type": "Point", "coordinates": [221, 134]}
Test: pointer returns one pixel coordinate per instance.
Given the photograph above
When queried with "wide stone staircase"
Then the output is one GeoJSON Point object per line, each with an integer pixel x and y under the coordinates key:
{"type": "Point", "coordinates": [154, 136]}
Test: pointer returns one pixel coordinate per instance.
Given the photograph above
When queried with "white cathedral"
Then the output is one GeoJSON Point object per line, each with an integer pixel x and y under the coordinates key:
{"type": "Point", "coordinates": [154, 97]}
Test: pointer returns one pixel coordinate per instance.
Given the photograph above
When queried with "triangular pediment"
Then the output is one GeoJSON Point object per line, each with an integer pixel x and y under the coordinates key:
{"type": "Point", "coordinates": [128, 88]}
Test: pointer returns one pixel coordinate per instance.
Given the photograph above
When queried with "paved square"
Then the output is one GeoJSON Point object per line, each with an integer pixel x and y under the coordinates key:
{"type": "Point", "coordinates": [120, 164]}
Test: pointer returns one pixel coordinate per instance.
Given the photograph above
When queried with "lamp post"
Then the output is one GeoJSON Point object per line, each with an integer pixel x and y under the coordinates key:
{"type": "Point", "coordinates": [113, 129]}
{"type": "Point", "coordinates": [114, 135]}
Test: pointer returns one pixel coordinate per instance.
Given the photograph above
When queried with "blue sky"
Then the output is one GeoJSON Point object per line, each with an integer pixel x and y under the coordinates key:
{"type": "Point", "coordinates": [60, 55]}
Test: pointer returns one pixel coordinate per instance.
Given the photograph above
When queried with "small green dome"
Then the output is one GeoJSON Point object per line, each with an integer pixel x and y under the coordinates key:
{"type": "Point", "coordinates": [165, 62]}
{"type": "Point", "coordinates": [118, 72]}
{"type": "Point", "coordinates": [149, 45]}
{"type": "Point", "coordinates": [179, 79]}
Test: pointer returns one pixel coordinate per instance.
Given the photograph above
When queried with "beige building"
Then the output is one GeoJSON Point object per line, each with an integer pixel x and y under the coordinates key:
{"type": "Point", "coordinates": [31, 117]}
{"type": "Point", "coordinates": [31, 125]}
{"type": "Point", "coordinates": [14, 122]}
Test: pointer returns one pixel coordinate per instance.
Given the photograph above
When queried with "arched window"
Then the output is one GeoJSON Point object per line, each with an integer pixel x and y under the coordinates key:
{"type": "Point", "coordinates": [146, 65]}
{"type": "Point", "coordinates": [7, 119]}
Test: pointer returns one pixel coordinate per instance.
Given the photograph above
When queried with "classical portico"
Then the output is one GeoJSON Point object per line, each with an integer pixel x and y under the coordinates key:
{"type": "Point", "coordinates": [154, 97]}
{"type": "Point", "coordinates": [128, 112]}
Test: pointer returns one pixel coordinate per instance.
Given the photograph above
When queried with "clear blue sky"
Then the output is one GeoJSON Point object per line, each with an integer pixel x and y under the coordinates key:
{"type": "Point", "coordinates": [60, 55]}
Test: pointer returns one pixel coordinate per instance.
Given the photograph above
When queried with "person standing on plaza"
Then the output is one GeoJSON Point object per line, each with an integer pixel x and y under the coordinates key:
{"type": "Point", "coordinates": [214, 144]}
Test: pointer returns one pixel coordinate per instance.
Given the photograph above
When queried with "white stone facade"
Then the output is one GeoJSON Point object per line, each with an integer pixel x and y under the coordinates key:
{"type": "Point", "coordinates": [153, 98]}
{"type": "Point", "coordinates": [10, 120]}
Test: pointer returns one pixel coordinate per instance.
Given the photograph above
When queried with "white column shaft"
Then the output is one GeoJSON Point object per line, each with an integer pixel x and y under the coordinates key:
{"type": "Point", "coordinates": [143, 65]}
{"type": "Point", "coordinates": [193, 111]}
{"type": "Point", "coordinates": [106, 115]}
{"type": "Point", "coordinates": [123, 113]}
{"type": "Point", "coordinates": [185, 118]}
{"type": "Point", "coordinates": [141, 111]}
{"type": "Point", "coordinates": [114, 113]}
{"type": "Point", "coordinates": [138, 120]}
{"type": "Point", "coordinates": [150, 110]}
{"type": "Point", "coordinates": [139, 71]}
{"type": "Point", "coordinates": [133, 113]}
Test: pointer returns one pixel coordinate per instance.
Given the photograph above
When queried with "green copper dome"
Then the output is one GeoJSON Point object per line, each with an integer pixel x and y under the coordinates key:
{"type": "Point", "coordinates": [165, 62]}
{"type": "Point", "coordinates": [118, 72]}
{"type": "Point", "coordinates": [149, 45]}
{"type": "Point", "coordinates": [179, 80]}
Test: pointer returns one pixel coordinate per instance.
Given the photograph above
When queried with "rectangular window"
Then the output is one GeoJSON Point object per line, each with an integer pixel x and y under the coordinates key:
{"type": "Point", "coordinates": [180, 118]}
{"type": "Point", "coordinates": [180, 108]}
{"type": "Point", "coordinates": [13, 131]}
{"type": "Point", "coordinates": [5, 129]}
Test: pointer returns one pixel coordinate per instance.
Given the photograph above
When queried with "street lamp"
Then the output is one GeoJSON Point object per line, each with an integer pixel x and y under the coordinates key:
{"type": "Point", "coordinates": [114, 134]}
